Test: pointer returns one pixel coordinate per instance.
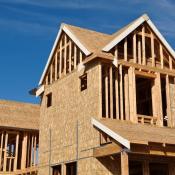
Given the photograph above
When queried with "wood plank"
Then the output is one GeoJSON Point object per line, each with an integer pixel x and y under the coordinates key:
{"type": "Point", "coordinates": [126, 95]}
{"type": "Point", "coordinates": [16, 152]}
{"type": "Point", "coordinates": [106, 92]}
{"type": "Point", "coordinates": [24, 151]}
{"type": "Point", "coordinates": [134, 48]}
{"type": "Point", "coordinates": [61, 58]}
{"type": "Point", "coordinates": [125, 49]}
{"type": "Point", "coordinates": [70, 56]}
{"type": "Point", "coordinates": [75, 56]}
{"type": "Point", "coordinates": [56, 64]}
{"type": "Point", "coordinates": [117, 94]}
{"type": "Point", "coordinates": [1, 149]}
{"type": "Point", "coordinates": [143, 46]}
{"type": "Point", "coordinates": [170, 63]}
{"type": "Point", "coordinates": [124, 163]}
{"type": "Point", "coordinates": [139, 52]}
{"type": "Point", "coordinates": [121, 93]}
{"type": "Point", "coordinates": [106, 150]}
{"type": "Point", "coordinates": [145, 74]}
{"type": "Point", "coordinates": [31, 153]}
{"type": "Point", "coordinates": [146, 167]}
{"type": "Point", "coordinates": [161, 56]}
{"type": "Point", "coordinates": [81, 57]}
{"type": "Point", "coordinates": [51, 73]}
{"type": "Point", "coordinates": [65, 54]}
{"type": "Point", "coordinates": [111, 91]}
{"type": "Point", "coordinates": [35, 150]}
{"type": "Point", "coordinates": [152, 50]}
{"type": "Point", "coordinates": [5, 152]}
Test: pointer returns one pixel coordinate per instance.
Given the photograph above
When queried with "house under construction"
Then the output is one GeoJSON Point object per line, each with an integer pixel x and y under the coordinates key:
{"type": "Point", "coordinates": [107, 107]}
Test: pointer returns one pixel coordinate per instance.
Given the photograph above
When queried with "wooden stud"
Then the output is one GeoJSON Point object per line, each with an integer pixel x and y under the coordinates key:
{"type": "Point", "coordinates": [81, 57]}
{"type": "Point", "coordinates": [117, 94]}
{"type": "Point", "coordinates": [124, 163]}
{"type": "Point", "coordinates": [51, 73]}
{"type": "Point", "coordinates": [16, 152]}
{"type": "Point", "coordinates": [106, 93]}
{"type": "Point", "coordinates": [1, 150]}
{"type": "Point", "coordinates": [145, 167]}
{"type": "Point", "coordinates": [134, 48]}
{"type": "Point", "coordinates": [170, 63]}
{"type": "Point", "coordinates": [24, 151]}
{"type": "Point", "coordinates": [111, 91]}
{"type": "Point", "coordinates": [168, 101]}
{"type": "Point", "coordinates": [139, 52]}
{"type": "Point", "coordinates": [31, 154]}
{"type": "Point", "coordinates": [75, 56]}
{"type": "Point", "coordinates": [143, 46]}
{"type": "Point", "coordinates": [56, 64]}
{"type": "Point", "coordinates": [70, 56]}
{"type": "Point", "coordinates": [65, 54]}
{"type": "Point", "coordinates": [126, 87]}
{"type": "Point", "coordinates": [5, 152]}
{"type": "Point", "coordinates": [125, 49]}
{"type": "Point", "coordinates": [121, 93]}
{"type": "Point", "coordinates": [61, 58]}
{"type": "Point", "coordinates": [152, 50]}
{"type": "Point", "coordinates": [161, 56]}
{"type": "Point", "coordinates": [35, 150]}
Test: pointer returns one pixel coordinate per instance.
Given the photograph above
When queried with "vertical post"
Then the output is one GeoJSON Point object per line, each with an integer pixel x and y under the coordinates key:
{"type": "Point", "coordinates": [60, 62]}
{"type": "Point", "coordinates": [5, 152]}
{"type": "Point", "coordinates": [134, 48]}
{"type": "Point", "coordinates": [70, 56]}
{"type": "Point", "coordinates": [126, 87]}
{"type": "Point", "coordinates": [16, 152]}
{"type": "Point", "coordinates": [31, 153]}
{"type": "Point", "coordinates": [124, 163]}
{"type": "Point", "coordinates": [116, 55]}
{"type": "Point", "coordinates": [56, 65]}
{"type": "Point", "coordinates": [168, 101]}
{"type": "Point", "coordinates": [47, 82]}
{"type": "Point", "coordinates": [81, 57]}
{"type": "Point", "coordinates": [170, 63]}
{"type": "Point", "coordinates": [152, 50]}
{"type": "Point", "coordinates": [35, 150]}
{"type": "Point", "coordinates": [111, 91]}
{"type": "Point", "coordinates": [50, 150]}
{"type": "Point", "coordinates": [143, 45]}
{"type": "Point", "coordinates": [146, 167]}
{"type": "Point", "coordinates": [161, 56]}
{"type": "Point", "coordinates": [75, 56]}
{"type": "Point", "coordinates": [106, 92]}
{"type": "Point", "coordinates": [121, 93]}
{"type": "Point", "coordinates": [24, 151]}
{"type": "Point", "coordinates": [51, 73]}
{"type": "Point", "coordinates": [77, 145]}
{"type": "Point", "coordinates": [125, 50]}
{"type": "Point", "coordinates": [65, 53]}
{"type": "Point", "coordinates": [2, 142]}
{"type": "Point", "coordinates": [117, 94]}
{"type": "Point", "coordinates": [139, 51]}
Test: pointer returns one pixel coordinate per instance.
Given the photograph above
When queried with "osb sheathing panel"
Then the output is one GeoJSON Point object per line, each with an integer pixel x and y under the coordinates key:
{"type": "Point", "coordinates": [70, 104]}
{"type": "Point", "coordinates": [19, 115]}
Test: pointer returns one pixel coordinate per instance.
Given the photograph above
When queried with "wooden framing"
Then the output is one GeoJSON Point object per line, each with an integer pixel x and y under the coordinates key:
{"type": "Point", "coordinates": [124, 163]}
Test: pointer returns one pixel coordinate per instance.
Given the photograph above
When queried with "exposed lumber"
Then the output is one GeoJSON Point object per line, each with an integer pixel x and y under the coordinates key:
{"type": "Point", "coordinates": [152, 50]}
{"type": "Point", "coordinates": [51, 73]}
{"type": "Point", "coordinates": [56, 64]}
{"type": "Point", "coordinates": [65, 54]}
{"type": "Point", "coordinates": [111, 91]}
{"type": "Point", "coordinates": [16, 152]}
{"type": "Point", "coordinates": [70, 56]}
{"type": "Point", "coordinates": [24, 151]}
{"type": "Point", "coordinates": [161, 56]}
{"type": "Point", "coordinates": [35, 150]}
{"type": "Point", "coordinates": [117, 93]}
{"type": "Point", "coordinates": [106, 93]}
{"type": "Point", "coordinates": [170, 63]}
{"type": "Point", "coordinates": [168, 101]}
{"type": "Point", "coordinates": [143, 46]}
{"type": "Point", "coordinates": [124, 163]}
{"type": "Point", "coordinates": [1, 149]}
{"type": "Point", "coordinates": [121, 93]}
{"type": "Point", "coordinates": [5, 152]}
{"type": "Point", "coordinates": [61, 59]}
{"type": "Point", "coordinates": [145, 74]}
{"type": "Point", "coordinates": [145, 167]}
{"type": "Point", "coordinates": [75, 56]}
{"type": "Point", "coordinates": [134, 48]}
{"type": "Point", "coordinates": [81, 57]}
{"type": "Point", "coordinates": [31, 155]}
{"type": "Point", "coordinates": [126, 95]}
{"type": "Point", "coordinates": [139, 52]}
{"type": "Point", "coordinates": [106, 150]}
{"type": "Point", "coordinates": [125, 49]}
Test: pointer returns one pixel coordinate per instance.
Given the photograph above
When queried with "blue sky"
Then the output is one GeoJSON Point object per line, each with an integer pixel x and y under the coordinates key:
{"type": "Point", "coordinates": [28, 29]}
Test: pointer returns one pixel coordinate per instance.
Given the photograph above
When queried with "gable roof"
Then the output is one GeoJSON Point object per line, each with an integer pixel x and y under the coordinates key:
{"type": "Point", "coordinates": [135, 133]}
{"type": "Point", "coordinates": [91, 42]}
{"type": "Point", "coordinates": [124, 32]}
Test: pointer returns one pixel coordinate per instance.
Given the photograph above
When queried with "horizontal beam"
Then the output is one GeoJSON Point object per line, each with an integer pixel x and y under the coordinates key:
{"type": "Point", "coordinates": [145, 74]}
